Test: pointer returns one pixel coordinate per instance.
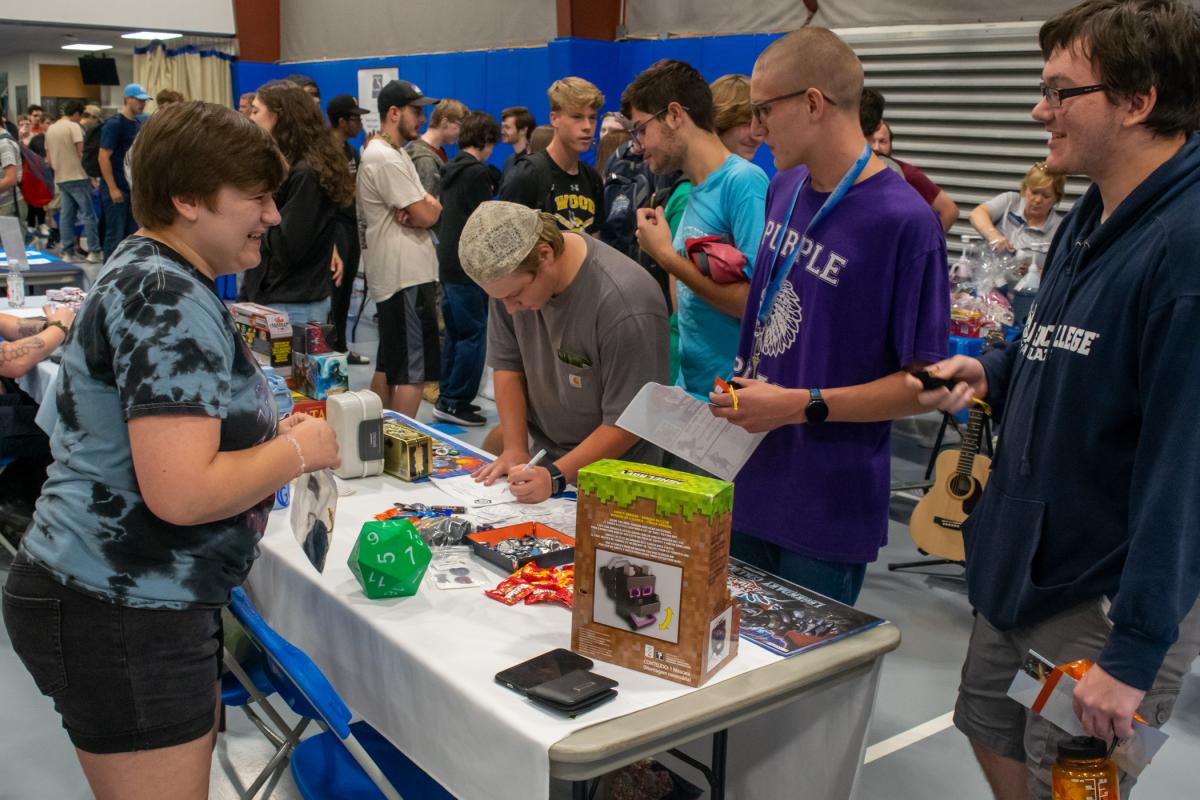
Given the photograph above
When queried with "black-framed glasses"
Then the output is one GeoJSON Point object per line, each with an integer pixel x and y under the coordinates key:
{"type": "Point", "coordinates": [761, 110]}
{"type": "Point", "coordinates": [636, 131]}
{"type": "Point", "coordinates": [1054, 97]}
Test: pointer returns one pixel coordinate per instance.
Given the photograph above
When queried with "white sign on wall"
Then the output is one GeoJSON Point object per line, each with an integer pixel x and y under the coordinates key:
{"type": "Point", "coordinates": [370, 83]}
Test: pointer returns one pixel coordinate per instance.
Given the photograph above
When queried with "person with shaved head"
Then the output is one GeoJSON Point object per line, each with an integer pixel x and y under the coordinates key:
{"type": "Point", "coordinates": [849, 293]}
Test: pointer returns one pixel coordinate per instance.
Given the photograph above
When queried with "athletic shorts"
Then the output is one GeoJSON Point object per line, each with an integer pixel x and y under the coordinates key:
{"type": "Point", "coordinates": [409, 350]}
{"type": "Point", "coordinates": [123, 679]}
{"type": "Point", "coordinates": [988, 716]}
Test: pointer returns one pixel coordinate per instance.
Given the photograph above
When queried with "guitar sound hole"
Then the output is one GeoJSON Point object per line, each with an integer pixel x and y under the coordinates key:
{"type": "Point", "coordinates": [960, 485]}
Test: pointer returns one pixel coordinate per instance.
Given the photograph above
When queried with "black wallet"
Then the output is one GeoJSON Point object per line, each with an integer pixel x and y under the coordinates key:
{"type": "Point", "coordinates": [576, 691]}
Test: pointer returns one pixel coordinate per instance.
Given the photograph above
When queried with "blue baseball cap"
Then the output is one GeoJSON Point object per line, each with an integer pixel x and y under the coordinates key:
{"type": "Point", "coordinates": [138, 91]}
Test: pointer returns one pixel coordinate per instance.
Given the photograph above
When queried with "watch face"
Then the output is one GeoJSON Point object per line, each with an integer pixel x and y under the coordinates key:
{"type": "Point", "coordinates": [817, 411]}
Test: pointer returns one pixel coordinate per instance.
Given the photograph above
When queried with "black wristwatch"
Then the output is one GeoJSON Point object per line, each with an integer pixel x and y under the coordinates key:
{"type": "Point", "coordinates": [816, 411]}
{"type": "Point", "coordinates": [558, 482]}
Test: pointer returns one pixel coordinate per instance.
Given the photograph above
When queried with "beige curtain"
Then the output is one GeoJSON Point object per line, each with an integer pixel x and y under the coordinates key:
{"type": "Point", "coordinates": [198, 72]}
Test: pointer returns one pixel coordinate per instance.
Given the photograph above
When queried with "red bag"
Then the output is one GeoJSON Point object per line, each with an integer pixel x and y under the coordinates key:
{"type": "Point", "coordinates": [717, 258]}
{"type": "Point", "coordinates": [37, 179]}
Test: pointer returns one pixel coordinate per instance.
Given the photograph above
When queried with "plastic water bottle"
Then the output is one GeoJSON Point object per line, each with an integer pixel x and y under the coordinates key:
{"type": "Point", "coordinates": [16, 289]}
{"type": "Point", "coordinates": [1083, 771]}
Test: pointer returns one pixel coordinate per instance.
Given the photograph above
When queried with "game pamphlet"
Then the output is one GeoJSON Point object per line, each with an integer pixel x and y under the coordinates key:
{"type": "Point", "coordinates": [786, 618]}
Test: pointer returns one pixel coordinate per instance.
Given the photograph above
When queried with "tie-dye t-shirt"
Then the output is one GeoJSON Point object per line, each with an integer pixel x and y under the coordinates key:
{"type": "Point", "coordinates": [152, 338]}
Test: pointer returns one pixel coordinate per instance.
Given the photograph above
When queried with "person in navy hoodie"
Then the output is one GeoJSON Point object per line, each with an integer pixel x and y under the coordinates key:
{"type": "Point", "coordinates": [1086, 542]}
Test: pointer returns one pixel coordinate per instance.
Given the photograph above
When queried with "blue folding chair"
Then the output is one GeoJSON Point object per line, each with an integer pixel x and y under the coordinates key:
{"type": "Point", "coordinates": [347, 760]}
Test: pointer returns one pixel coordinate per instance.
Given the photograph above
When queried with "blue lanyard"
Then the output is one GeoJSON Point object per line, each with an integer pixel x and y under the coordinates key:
{"type": "Point", "coordinates": [776, 279]}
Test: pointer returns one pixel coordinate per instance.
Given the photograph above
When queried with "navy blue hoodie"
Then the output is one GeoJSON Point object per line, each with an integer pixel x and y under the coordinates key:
{"type": "Point", "coordinates": [1095, 488]}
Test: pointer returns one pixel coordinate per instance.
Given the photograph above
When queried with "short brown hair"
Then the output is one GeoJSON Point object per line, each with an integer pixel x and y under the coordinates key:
{"type": "Point", "coordinates": [448, 110]}
{"type": "Point", "coordinates": [479, 129]}
{"type": "Point", "coordinates": [1037, 179]}
{"type": "Point", "coordinates": [540, 139]}
{"type": "Point", "coordinates": [670, 81]}
{"type": "Point", "coordinates": [1137, 45]}
{"type": "Point", "coordinates": [609, 143]}
{"type": "Point", "coordinates": [522, 119]}
{"type": "Point", "coordinates": [731, 102]}
{"type": "Point", "coordinates": [550, 234]}
{"type": "Point", "coordinates": [167, 96]}
{"type": "Point", "coordinates": [574, 92]}
{"type": "Point", "coordinates": [194, 150]}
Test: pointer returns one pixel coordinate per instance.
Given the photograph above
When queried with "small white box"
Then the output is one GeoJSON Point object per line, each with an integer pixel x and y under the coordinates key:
{"type": "Point", "coordinates": [357, 422]}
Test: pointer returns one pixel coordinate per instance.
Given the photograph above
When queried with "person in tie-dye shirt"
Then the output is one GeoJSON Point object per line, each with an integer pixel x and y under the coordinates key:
{"type": "Point", "coordinates": [167, 455]}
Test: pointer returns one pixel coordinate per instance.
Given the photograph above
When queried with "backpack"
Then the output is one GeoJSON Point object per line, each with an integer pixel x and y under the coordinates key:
{"type": "Point", "coordinates": [628, 186]}
{"type": "Point", "coordinates": [91, 152]}
{"type": "Point", "coordinates": [37, 179]}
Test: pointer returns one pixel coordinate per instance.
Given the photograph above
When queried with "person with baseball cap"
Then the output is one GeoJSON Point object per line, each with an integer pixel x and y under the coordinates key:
{"type": "Point", "coordinates": [116, 137]}
{"type": "Point", "coordinates": [345, 123]}
{"type": "Point", "coordinates": [400, 257]}
{"type": "Point", "coordinates": [575, 330]}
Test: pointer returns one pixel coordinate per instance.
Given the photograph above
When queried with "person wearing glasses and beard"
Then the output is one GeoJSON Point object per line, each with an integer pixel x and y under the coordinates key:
{"type": "Point", "coordinates": [849, 293]}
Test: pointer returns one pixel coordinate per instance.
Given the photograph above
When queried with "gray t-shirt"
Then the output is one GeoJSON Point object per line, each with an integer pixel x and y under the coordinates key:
{"type": "Point", "coordinates": [587, 352]}
{"type": "Point", "coordinates": [429, 165]}
{"type": "Point", "coordinates": [1007, 211]}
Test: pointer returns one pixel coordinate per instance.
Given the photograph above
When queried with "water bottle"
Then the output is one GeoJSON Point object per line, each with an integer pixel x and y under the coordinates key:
{"type": "Point", "coordinates": [1083, 771]}
{"type": "Point", "coordinates": [16, 289]}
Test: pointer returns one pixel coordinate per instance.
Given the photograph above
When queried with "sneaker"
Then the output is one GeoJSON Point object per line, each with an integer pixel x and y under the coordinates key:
{"type": "Point", "coordinates": [460, 416]}
{"type": "Point", "coordinates": [356, 358]}
{"type": "Point", "coordinates": [94, 258]}
{"type": "Point", "coordinates": [67, 257]}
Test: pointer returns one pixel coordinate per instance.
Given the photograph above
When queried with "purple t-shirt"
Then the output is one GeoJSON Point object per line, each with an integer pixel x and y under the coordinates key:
{"type": "Point", "coordinates": [868, 295]}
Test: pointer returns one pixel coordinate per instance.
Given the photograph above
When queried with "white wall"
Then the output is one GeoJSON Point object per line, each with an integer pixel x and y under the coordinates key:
{"type": "Point", "coordinates": [16, 65]}
{"type": "Point", "coordinates": [316, 29]}
{"type": "Point", "coordinates": [193, 16]}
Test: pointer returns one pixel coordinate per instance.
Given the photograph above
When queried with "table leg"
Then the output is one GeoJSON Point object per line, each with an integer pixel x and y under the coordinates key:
{"type": "Point", "coordinates": [714, 774]}
{"type": "Point", "coordinates": [579, 790]}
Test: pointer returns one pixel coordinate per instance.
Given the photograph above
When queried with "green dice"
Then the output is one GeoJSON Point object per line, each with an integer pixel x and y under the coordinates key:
{"type": "Point", "coordinates": [389, 559]}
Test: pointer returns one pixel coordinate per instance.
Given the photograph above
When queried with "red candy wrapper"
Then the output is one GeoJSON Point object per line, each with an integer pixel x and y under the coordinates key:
{"type": "Point", "coordinates": [534, 584]}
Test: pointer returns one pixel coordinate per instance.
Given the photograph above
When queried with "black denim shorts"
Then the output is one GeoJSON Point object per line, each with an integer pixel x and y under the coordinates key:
{"type": "Point", "coordinates": [123, 679]}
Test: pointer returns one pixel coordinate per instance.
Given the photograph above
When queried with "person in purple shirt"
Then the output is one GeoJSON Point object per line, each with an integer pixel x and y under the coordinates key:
{"type": "Point", "coordinates": [825, 347]}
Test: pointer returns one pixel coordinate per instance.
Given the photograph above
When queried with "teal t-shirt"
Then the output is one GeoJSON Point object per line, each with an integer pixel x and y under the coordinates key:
{"type": "Point", "coordinates": [152, 338]}
{"type": "Point", "coordinates": [732, 202]}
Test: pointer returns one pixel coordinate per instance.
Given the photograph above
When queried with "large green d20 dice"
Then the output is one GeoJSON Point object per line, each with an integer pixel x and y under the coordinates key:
{"type": "Point", "coordinates": [389, 558]}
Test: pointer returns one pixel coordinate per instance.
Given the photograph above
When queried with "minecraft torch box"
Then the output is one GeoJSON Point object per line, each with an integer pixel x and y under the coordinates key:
{"type": "Point", "coordinates": [651, 571]}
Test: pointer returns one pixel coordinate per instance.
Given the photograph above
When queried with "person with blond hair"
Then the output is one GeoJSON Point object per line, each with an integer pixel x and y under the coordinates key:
{"type": "Point", "coordinates": [428, 151]}
{"type": "Point", "coordinates": [1018, 220]}
{"type": "Point", "coordinates": [731, 115]}
{"type": "Point", "coordinates": [555, 180]}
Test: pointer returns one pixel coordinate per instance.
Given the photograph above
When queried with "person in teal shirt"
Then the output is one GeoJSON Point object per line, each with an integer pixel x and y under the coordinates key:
{"type": "Point", "coordinates": [671, 109]}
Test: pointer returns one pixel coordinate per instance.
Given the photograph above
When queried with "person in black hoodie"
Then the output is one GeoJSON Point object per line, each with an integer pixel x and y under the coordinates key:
{"type": "Point", "coordinates": [466, 183]}
{"type": "Point", "coordinates": [1086, 541]}
{"type": "Point", "coordinates": [297, 254]}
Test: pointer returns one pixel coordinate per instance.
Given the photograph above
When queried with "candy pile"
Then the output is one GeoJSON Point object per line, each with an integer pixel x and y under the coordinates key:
{"type": "Point", "coordinates": [529, 546]}
{"type": "Point", "coordinates": [71, 296]}
{"type": "Point", "coordinates": [536, 585]}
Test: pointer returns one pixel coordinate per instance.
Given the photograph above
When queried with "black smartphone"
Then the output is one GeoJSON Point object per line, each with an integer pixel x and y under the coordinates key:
{"type": "Point", "coordinates": [543, 668]}
{"type": "Point", "coordinates": [930, 382]}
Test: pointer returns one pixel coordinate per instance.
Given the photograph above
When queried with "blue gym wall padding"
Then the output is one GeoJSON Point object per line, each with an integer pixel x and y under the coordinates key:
{"type": "Point", "coordinates": [495, 79]}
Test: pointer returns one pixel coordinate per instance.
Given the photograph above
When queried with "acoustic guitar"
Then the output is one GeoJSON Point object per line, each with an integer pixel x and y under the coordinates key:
{"type": "Point", "coordinates": [959, 478]}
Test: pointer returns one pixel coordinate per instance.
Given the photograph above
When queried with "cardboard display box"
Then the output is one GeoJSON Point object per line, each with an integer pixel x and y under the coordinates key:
{"type": "Point", "coordinates": [321, 375]}
{"type": "Point", "coordinates": [302, 404]}
{"type": "Point", "coordinates": [268, 333]}
{"type": "Point", "coordinates": [651, 567]}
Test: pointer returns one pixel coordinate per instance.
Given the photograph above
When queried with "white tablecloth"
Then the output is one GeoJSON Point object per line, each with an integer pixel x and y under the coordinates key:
{"type": "Point", "coordinates": [421, 670]}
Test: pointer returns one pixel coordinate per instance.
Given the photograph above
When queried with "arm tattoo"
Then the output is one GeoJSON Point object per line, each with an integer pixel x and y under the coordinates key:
{"type": "Point", "coordinates": [30, 327]}
{"type": "Point", "coordinates": [17, 350]}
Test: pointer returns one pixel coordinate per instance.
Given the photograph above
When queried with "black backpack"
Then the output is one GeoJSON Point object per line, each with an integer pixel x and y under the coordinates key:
{"type": "Point", "coordinates": [628, 186]}
{"type": "Point", "coordinates": [91, 151]}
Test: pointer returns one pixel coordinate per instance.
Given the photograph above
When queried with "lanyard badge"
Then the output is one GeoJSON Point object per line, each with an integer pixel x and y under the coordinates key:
{"type": "Point", "coordinates": [776, 278]}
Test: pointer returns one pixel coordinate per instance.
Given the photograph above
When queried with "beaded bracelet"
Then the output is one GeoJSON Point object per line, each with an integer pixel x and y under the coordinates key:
{"type": "Point", "coordinates": [299, 454]}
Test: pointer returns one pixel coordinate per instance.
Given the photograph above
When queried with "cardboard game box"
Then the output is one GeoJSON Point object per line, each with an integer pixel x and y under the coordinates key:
{"type": "Point", "coordinates": [320, 375]}
{"type": "Point", "coordinates": [268, 333]}
{"type": "Point", "coordinates": [303, 404]}
{"type": "Point", "coordinates": [651, 567]}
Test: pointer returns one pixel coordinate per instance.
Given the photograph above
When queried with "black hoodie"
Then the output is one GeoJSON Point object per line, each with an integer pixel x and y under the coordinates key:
{"type": "Point", "coordinates": [465, 184]}
{"type": "Point", "coordinates": [1095, 489]}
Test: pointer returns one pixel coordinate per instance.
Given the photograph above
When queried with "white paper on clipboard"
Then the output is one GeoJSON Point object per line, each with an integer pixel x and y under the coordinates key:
{"type": "Point", "coordinates": [680, 424]}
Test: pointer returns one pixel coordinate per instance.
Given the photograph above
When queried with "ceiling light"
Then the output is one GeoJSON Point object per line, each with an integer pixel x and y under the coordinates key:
{"type": "Point", "coordinates": [88, 47]}
{"type": "Point", "coordinates": [150, 35]}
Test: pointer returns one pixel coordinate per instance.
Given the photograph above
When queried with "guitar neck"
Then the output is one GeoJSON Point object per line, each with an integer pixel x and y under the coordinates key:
{"type": "Point", "coordinates": [971, 439]}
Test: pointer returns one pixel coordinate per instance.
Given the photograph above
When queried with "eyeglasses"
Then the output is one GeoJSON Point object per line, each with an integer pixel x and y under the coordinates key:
{"type": "Point", "coordinates": [1054, 97]}
{"type": "Point", "coordinates": [761, 110]}
{"type": "Point", "coordinates": [636, 131]}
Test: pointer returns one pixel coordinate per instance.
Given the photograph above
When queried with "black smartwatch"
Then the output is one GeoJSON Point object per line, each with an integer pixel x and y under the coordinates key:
{"type": "Point", "coordinates": [816, 411]}
{"type": "Point", "coordinates": [558, 483]}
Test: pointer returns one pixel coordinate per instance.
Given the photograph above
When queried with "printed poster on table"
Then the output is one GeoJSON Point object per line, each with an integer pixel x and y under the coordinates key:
{"type": "Point", "coordinates": [370, 83]}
